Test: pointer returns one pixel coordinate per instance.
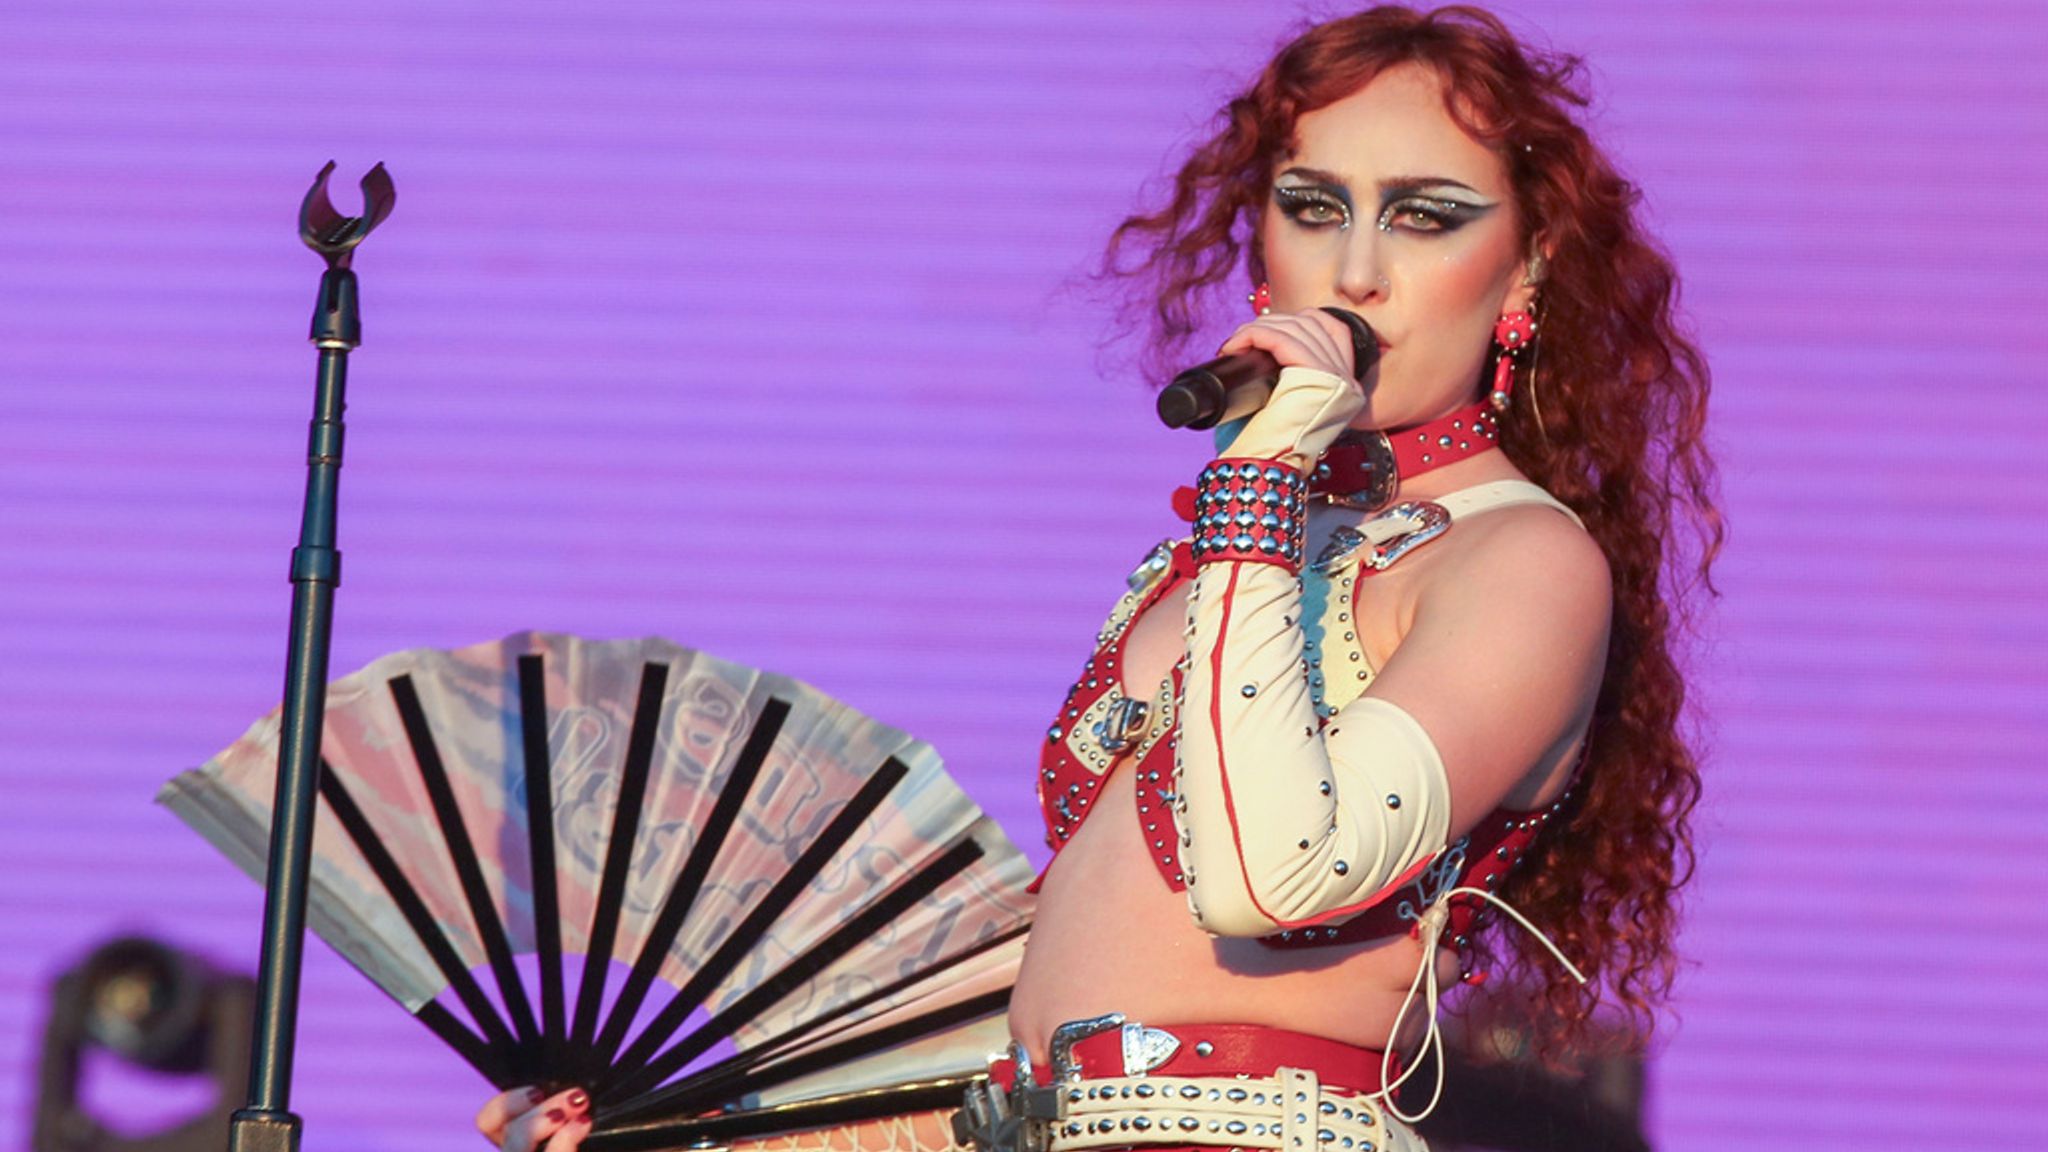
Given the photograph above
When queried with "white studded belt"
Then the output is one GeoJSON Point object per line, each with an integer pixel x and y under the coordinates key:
{"type": "Point", "coordinates": [1288, 1111]}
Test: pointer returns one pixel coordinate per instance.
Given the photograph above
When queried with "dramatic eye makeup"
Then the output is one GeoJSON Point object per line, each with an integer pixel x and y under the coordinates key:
{"type": "Point", "coordinates": [1314, 205]}
{"type": "Point", "coordinates": [1418, 205]}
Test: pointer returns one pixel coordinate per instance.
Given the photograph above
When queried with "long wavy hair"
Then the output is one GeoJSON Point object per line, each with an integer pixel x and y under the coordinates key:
{"type": "Point", "coordinates": [1609, 417]}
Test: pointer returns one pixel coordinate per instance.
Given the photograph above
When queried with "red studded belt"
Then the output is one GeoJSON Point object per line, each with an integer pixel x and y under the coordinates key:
{"type": "Point", "coordinates": [1205, 1050]}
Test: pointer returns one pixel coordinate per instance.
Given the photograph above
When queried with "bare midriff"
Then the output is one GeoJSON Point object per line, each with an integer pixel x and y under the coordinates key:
{"type": "Point", "coordinates": [1110, 936]}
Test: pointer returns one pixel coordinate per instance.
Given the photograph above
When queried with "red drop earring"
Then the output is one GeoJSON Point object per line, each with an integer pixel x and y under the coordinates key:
{"type": "Point", "coordinates": [1511, 334]}
{"type": "Point", "coordinates": [1261, 299]}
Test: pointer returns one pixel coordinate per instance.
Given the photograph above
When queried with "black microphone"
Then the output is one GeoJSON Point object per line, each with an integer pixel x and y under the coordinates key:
{"type": "Point", "coordinates": [1240, 383]}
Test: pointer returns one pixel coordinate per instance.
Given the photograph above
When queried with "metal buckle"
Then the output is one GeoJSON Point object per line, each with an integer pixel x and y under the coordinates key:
{"type": "Point", "coordinates": [1066, 1069]}
{"type": "Point", "coordinates": [1147, 1048]}
{"type": "Point", "coordinates": [1156, 564]}
{"type": "Point", "coordinates": [1018, 1120]}
{"type": "Point", "coordinates": [1426, 522]}
{"type": "Point", "coordinates": [1389, 536]}
{"type": "Point", "coordinates": [1124, 718]}
{"type": "Point", "coordinates": [1383, 475]}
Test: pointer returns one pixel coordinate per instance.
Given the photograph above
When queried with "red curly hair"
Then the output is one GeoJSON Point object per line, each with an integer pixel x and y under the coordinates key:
{"type": "Point", "coordinates": [1612, 425]}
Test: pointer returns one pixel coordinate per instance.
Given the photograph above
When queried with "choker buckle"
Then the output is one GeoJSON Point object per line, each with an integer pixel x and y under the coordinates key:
{"type": "Point", "coordinates": [1381, 474]}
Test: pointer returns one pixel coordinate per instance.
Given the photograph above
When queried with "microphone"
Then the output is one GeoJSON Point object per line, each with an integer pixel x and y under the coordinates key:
{"type": "Point", "coordinates": [1239, 384]}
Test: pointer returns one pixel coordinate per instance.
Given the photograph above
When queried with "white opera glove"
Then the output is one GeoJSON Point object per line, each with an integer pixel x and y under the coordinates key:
{"type": "Point", "coordinates": [1308, 410]}
{"type": "Point", "coordinates": [1284, 824]}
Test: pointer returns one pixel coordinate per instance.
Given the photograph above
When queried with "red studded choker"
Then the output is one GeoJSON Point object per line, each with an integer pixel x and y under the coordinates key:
{"type": "Point", "coordinates": [1363, 470]}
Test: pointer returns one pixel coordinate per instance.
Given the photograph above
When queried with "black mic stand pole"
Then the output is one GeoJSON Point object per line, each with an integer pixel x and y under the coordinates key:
{"type": "Point", "coordinates": [266, 1124]}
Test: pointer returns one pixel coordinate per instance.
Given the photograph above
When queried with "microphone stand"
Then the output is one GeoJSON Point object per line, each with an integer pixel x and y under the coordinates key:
{"type": "Point", "coordinates": [266, 1123]}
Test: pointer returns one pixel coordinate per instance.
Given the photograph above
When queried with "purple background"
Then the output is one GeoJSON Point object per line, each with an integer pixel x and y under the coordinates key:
{"type": "Point", "coordinates": [756, 326]}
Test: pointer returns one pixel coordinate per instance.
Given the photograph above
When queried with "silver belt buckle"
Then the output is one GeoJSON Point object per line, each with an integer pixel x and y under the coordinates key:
{"type": "Point", "coordinates": [1143, 1048]}
{"type": "Point", "coordinates": [1066, 1069]}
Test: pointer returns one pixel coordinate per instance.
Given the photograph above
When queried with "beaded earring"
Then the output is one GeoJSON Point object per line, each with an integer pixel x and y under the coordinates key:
{"type": "Point", "coordinates": [1261, 299]}
{"type": "Point", "coordinates": [1511, 334]}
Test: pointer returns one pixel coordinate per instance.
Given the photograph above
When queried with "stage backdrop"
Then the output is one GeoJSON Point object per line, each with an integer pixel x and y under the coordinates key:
{"type": "Point", "coordinates": [754, 325]}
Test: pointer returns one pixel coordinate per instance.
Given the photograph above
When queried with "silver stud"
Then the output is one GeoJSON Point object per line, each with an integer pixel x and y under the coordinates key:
{"type": "Point", "coordinates": [1341, 868]}
{"type": "Point", "coordinates": [1393, 800]}
{"type": "Point", "coordinates": [1204, 1048]}
{"type": "Point", "coordinates": [1249, 691]}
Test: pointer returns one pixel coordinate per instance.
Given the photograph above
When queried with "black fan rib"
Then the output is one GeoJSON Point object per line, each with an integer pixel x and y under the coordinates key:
{"type": "Point", "coordinates": [850, 1108]}
{"type": "Point", "coordinates": [483, 910]}
{"type": "Point", "coordinates": [618, 857]}
{"type": "Point", "coordinates": [699, 1094]}
{"type": "Point", "coordinates": [741, 1073]}
{"type": "Point", "coordinates": [840, 941]}
{"type": "Point", "coordinates": [802, 871]}
{"type": "Point", "coordinates": [540, 840]}
{"type": "Point", "coordinates": [466, 1044]}
{"type": "Point", "coordinates": [682, 895]}
{"type": "Point", "coordinates": [493, 1054]}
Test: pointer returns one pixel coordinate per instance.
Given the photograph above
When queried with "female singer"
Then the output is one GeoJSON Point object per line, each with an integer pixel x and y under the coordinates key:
{"type": "Point", "coordinates": [1404, 709]}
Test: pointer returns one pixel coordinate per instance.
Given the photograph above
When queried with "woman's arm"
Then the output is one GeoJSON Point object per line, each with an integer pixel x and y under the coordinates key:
{"type": "Point", "coordinates": [1285, 824]}
{"type": "Point", "coordinates": [1288, 825]}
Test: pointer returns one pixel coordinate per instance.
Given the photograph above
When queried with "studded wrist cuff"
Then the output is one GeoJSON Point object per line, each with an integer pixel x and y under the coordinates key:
{"type": "Point", "coordinates": [1250, 510]}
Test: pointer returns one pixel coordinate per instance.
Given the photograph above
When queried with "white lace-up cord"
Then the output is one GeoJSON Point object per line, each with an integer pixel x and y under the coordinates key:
{"type": "Point", "coordinates": [1431, 929]}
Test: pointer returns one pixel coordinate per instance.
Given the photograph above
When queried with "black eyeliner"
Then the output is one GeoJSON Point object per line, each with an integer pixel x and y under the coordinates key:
{"type": "Point", "coordinates": [1296, 196]}
{"type": "Point", "coordinates": [1448, 214]}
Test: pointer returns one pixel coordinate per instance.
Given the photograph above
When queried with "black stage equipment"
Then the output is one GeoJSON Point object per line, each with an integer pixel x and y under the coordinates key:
{"type": "Point", "coordinates": [155, 1009]}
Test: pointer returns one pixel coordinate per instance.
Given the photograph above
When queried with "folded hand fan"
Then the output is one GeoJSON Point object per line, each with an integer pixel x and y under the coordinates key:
{"type": "Point", "coordinates": [811, 923]}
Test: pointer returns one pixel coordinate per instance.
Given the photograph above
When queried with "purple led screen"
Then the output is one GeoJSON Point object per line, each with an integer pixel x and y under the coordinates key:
{"type": "Point", "coordinates": [759, 326]}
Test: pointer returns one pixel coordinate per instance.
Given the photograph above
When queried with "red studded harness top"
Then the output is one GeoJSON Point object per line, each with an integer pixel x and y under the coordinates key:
{"type": "Point", "coordinates": [1100, 731]}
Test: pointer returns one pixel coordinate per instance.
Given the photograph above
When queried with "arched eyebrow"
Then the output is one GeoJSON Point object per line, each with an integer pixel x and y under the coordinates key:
{"type": "Point", "coordinates": [1390, 188]}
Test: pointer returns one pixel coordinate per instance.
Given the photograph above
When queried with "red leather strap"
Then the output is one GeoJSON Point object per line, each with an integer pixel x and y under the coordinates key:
{"type": "Point", "coordinates": [1231, 1050]}
{"type": "Point", "coordinates": [1467, 432]}
{"type": "Point", "coordinates": [1351, 465]}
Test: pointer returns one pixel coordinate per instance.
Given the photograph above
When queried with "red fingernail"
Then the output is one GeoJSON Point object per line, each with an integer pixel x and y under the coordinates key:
{"type": "Point", "coordinates": [578, 1100]}
{"type": "Point", "coordinates": [536, 1094]}
{"type": "Point", "coordinates": [556, 1115]}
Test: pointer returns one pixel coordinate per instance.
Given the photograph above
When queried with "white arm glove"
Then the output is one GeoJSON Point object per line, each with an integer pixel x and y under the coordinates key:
{"type": "Point", "coordinates": [1283, 825]}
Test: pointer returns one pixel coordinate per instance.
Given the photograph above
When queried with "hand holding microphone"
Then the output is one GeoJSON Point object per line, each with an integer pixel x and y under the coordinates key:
{"type": "Point", "coordinates": [1298, 410]}
{"type": "Point", "coordinates": [1239, 382]}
